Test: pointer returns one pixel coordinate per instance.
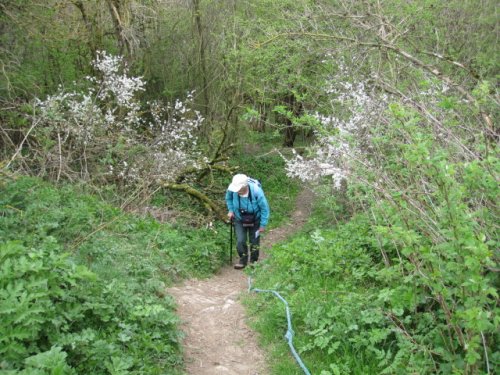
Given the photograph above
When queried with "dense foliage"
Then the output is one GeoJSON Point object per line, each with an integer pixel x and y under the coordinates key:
{"type": "Point", "coordinates": [406, 139]}
{"type": "Point", "coordinates": [394, 106]}
{"type": "Point", "coordinates": [83, 284]}
{"type": "Point", "coordinates": [353, 315]}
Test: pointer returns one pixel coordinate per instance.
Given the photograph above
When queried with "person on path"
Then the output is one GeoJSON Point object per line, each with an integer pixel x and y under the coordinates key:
{"type": "Point", "coordinates": [248, 208]}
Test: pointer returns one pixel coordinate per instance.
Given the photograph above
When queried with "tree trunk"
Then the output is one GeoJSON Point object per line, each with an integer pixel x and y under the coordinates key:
{"type": "Point", "coordinates": [290, 132]}
{"type": "Point", "coordinates": [203, 64]}
{"type": "Point", "coordinates": [117, 12]}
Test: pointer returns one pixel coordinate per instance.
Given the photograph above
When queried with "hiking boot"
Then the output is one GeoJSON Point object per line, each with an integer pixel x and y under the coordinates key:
{"type": "Point", "coordinates": [240, 265]}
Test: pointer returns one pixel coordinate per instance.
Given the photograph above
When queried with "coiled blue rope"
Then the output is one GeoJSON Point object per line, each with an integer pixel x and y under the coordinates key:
{"type": "Point", "coordinates": [289, 333]}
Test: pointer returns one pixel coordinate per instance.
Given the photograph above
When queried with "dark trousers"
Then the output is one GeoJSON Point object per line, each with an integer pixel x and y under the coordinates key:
{"type": "Point", "coordinates": [244, 235]}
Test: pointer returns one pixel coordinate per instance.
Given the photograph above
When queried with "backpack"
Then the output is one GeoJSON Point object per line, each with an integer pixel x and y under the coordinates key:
{"type": "Point", "coordinates": [255, 181]}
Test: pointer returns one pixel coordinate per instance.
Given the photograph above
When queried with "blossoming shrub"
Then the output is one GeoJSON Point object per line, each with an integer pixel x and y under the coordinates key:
{"type": "Point", "coordinates": [101, 130]}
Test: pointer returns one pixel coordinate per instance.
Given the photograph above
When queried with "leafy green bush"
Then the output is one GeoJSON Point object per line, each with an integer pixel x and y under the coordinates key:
{"type": "Point", "coordinates": [51, 306]}
{"type": "Point", "coordinates": [329, 277]}
{"type": "Point", "coordinates": [82, 285]}
{"type": "Point", "coordinates": [352, 314]}
{"type": "Point", "coordinates": [422, 203]}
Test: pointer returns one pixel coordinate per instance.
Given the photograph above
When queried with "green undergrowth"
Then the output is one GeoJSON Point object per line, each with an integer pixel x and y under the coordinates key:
{"type": "Point", "coordinates": [326, 276]}
{"type": "Point", "coordinates": [353, 314]}
{"type": "Point", "coordinates": [82, 284]}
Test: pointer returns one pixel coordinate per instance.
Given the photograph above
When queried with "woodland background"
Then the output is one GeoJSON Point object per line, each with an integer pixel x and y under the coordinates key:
{"type": "Point", "coordinates": [122, 121]}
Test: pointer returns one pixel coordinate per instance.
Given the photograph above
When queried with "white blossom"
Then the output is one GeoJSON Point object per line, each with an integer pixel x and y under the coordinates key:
{"type": "Point", "coordinates": [341, 135]}
{"type": "Point", "coordinates": [110, 109]}
{"type": "Point", "coordinates": [344, 138]}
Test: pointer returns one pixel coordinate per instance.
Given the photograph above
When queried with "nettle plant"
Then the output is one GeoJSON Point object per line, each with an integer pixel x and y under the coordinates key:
{"type": "Point", "coordinates": [430, 191]}
{"type": "Point", "coordinates": [103, 130]}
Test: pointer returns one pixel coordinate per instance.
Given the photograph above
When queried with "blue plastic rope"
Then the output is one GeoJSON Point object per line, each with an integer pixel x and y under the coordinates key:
{"type": "Point", "coordinates": [289, 333]}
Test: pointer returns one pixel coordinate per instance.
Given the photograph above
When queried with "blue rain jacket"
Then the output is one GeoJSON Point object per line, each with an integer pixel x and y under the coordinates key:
{"type": "Point", "coordinates": [258, 204]}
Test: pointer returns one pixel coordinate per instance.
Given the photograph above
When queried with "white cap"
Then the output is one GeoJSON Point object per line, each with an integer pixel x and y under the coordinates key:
{"type": "Point", "coordinates": [239, 181]}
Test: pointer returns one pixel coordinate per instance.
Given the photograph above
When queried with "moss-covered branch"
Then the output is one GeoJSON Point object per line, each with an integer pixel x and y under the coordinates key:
{"type": "Point", "coordinates": [209, 204]}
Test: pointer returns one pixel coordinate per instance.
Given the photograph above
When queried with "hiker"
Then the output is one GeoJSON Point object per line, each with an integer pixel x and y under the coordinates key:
{"type": "Point", "coordinates": [249, 210]}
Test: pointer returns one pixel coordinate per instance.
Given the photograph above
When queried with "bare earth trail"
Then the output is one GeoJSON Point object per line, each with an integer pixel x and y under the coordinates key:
{"type": "Point", "coordinates": [218, 340]}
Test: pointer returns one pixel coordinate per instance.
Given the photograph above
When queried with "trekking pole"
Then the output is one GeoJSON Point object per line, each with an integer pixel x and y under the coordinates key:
{"type": "Point", "coordinates": [231, 241]}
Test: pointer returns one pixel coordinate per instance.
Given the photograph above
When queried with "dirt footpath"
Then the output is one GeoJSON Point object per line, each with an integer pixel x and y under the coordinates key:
{"type": "Point", "coordinates": [218, 340]}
